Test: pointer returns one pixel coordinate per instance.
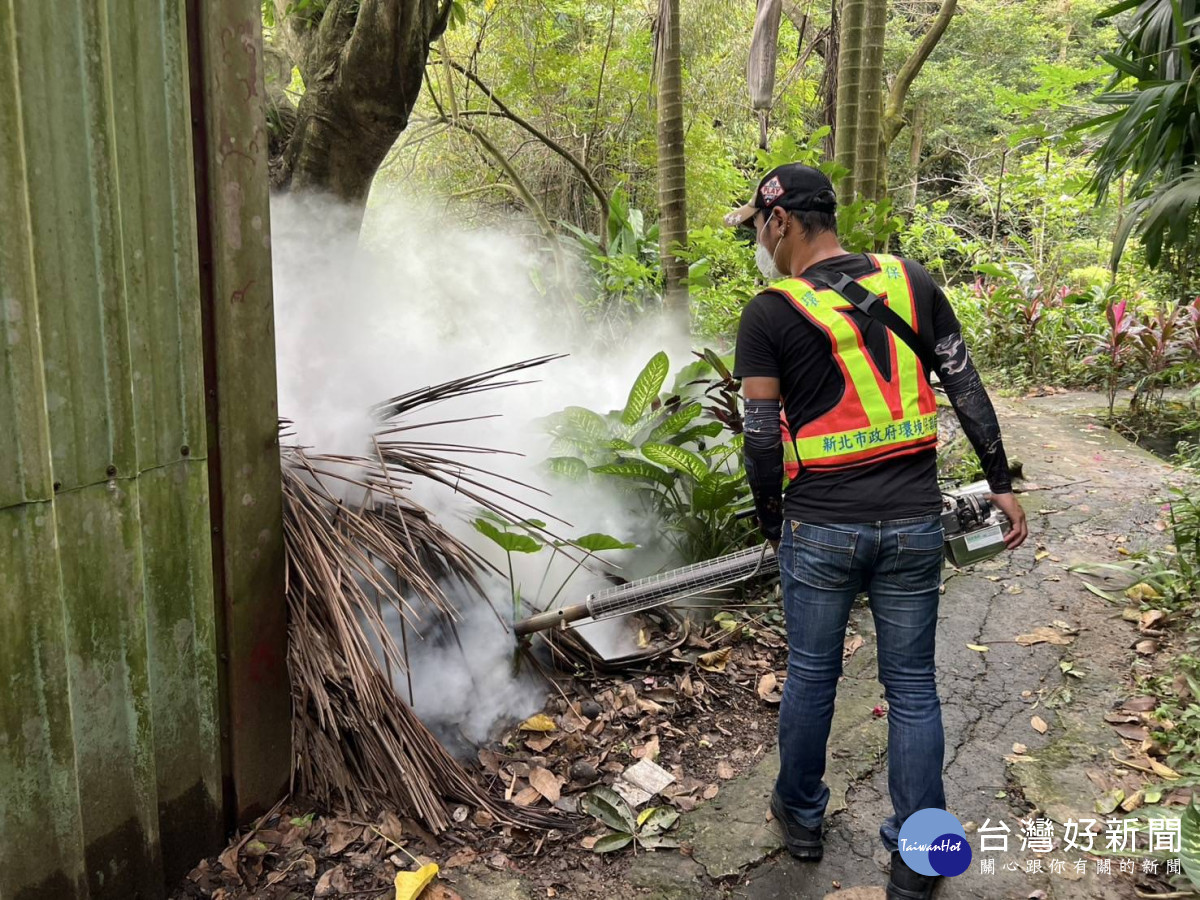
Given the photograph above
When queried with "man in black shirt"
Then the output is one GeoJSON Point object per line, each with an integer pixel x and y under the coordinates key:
{"type": "Point", "coordinates": [861, 509]}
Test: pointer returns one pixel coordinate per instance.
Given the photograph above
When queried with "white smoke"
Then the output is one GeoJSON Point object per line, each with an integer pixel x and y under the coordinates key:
{"type": "Point", "coordinates": [416, 302]}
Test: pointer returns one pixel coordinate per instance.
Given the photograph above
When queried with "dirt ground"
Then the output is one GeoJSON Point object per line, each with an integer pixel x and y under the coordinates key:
{"type": "Point", "coordinates": [1047, 727]}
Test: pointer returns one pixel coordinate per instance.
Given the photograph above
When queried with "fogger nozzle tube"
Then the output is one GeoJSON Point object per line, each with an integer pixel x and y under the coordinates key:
{"type": "Point", "coordinates": [661, 589]}
{"type": "Point", "coordinates": [552, 619]}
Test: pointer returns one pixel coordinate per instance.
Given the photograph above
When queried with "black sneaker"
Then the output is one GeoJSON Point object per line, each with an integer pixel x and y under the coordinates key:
{"type": "Point", "coordinates": [802, 842]}
{"type": "Point", "coordinates": [905, 884]}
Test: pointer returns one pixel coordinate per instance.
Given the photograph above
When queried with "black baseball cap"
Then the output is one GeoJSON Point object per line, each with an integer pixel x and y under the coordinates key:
{"type": "Point", "coordinates": [792, 186]}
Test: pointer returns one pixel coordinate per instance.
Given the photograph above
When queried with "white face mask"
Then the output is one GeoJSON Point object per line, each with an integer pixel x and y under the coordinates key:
{"type": "Point", "coordinates": [765, 259]}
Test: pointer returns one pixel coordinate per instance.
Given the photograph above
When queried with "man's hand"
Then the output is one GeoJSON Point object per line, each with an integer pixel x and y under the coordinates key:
{"type": "Point", "coordinates": [1011, 507]}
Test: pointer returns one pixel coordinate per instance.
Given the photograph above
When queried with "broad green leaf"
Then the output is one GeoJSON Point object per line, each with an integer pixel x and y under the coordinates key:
{"type": "Point", "coordinates": [655, 821]}
{"type": "Point", "coordinates": [696, 432]}
{"type": "Point", "coordinates": [509, 541]}
{"type": "Point", "coordinates": [609, 807]}
{"type": "Point", "coordinates": [1190, 842]}
{"type": "Point", "coordinates": [578, 422]}
{"type": "Point", "coordinates": [596, 543]}
{"type": "Point", "coordinates": [713, 492]}
{"type": "Point", "coordinates": [995, 271]}
{"type": "Point", "coordinates": [646, 387]}
{"type": "Point", "coordinates": [635, 468]}
{"type": "Point", "coordinates": [621, 445]}
{"type": "Point", "coordinates": [676, 422]}
{"type": "Point", "coordinates": [571, 468]}
{"type": "Point", "coordinates": [612, 842]}
{"type": "Point", "coordinates": [676, 458]}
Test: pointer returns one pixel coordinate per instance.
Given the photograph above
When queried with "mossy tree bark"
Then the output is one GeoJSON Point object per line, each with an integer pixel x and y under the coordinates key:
{"type": "Point", "coordinates": [362, 62]}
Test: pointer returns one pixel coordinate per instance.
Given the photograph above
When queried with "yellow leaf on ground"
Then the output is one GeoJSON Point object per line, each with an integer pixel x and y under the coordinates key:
{"type": "Point", "coordinates": [978, 647]}
{"type": "Point", "coordinates": [540, 722]}
{"type": "Point", "coordinates": [715, 660]}
{"type": "Point", "coordinates": [1142, 592]}
{"type": "Point", "coordinates": [1164, 770]}
{"type": "Point", "coordinates": [410, 884]}
{"type": "Point", "coordinates": [1044, 634]}
{"type": "Point", "coordinates": [1039, 724]}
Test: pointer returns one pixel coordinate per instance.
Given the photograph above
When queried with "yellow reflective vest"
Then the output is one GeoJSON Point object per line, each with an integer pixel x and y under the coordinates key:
{"type": "Point", "coordinates": [877, 418]}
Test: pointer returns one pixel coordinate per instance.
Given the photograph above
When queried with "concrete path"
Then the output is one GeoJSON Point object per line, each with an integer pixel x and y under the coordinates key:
{"type": "Point", "coordinates": [1099, 493]}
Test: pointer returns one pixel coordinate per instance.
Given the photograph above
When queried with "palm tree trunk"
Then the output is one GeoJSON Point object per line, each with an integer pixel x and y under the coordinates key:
{"type": "Point", "coordinates": [870, 104]}
{"type": "Point", "coordinates": [672, 194]}
{"type": "Point", "coordinates": [849, 92]}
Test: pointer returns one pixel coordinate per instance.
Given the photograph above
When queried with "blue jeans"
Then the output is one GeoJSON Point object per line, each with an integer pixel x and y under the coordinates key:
{"type": "Point", "coordinates": [823, 568]}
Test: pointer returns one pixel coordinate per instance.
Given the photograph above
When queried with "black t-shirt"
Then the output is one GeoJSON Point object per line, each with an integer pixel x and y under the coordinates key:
{"type": "Point", "coordinates": [775, 340]}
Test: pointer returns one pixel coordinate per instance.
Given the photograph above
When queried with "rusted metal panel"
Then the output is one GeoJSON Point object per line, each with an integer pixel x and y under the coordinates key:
{"type": "Point", "coordinates": [181, 635]}
{"type": "Point", "coordinates": [41, 830]}
{"type": "Point", "coordinates": [231, 193]}
{"type": "Point", "coordinates": [75, 222]}
{"type": "Point", "coordinates": [110, 777]}
{"type": "Point", "coordinates": [158, 238]}
{"type": "Point", "coordinates": [24, 449]}
{"type": "Point", "coordinates": [99, 538]}
{"type": "Point", "coordinates": [158, 231]}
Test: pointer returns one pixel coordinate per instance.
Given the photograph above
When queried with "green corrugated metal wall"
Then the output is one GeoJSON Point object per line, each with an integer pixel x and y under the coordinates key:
{"type": "Point", "coordinates": [110, 746]}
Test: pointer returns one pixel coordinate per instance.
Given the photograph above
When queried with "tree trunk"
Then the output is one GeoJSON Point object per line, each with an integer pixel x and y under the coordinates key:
{"type": "Point", "coordinates": [362, 62]}
{"type": "Point", "coordinates": [849, 92]}
{"type": "Point", "coordinates": [671, 169]}
{"type": "Point", "coordinates": [867, 178]}
{"type": "Point", "coordinates": [916, 139]}
{"type": "Point", "coordinates": [829, 81]}
{"type": "Point", "coordinates": [893, 117]}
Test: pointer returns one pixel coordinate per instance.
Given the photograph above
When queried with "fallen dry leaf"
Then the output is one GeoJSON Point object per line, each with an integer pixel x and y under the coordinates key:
{"type": "Point", "coordinates": [540, 722]}
{"type": "Point", "coordinates": [979, 648]}
{"type": "Point", "coordinates": [527, 797]}
{"type": "Point", "coordinates": [342, 835]}
{"type": "Point", "coordinates": [851, 645]}
{"type": "Point", "coordinates": [1146, 647]}
{"type": "Point", "coordinates": [1039, 724]}
{"type": "Point", "coordinates": [768, 688]}
{"type": "Point", "coordinates": [1163, 770]}
{"type": "Point", "coordinates": [1019, 749]}
{"type": "Point", "coordinates": [333, 883]}
{"type": "Point", "coordinates": [463, 857]}
{"type": "Point", "coordinates": [725, 770]}
{"type": "Point", "coordinates": [711, 791]}
{"type": "Point", "coordinates": [715, 660]}
{"type": "Point", "coordinates": [1131, 732]}
{"type": "Point", "coordinates": [541, 744]}
{"type": "Point", "coordinates": [1044, 635]}
{"type": "Point", "coordinates": [546, 783]}
{"type": "Point", "coordinates": [648, 750]}
{"type": "Point", "coordinates": [1141, 704]}
{"type": "Point", "coordinates": [1133, 801]}
{"type": "Point", "coordinates": [590, 841]}
{"type": "Point", "coordinates": [1150, 618]}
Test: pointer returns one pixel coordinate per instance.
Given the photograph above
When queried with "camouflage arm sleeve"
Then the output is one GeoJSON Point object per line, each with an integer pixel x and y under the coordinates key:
{"type": "Point", "coordinates": [974, 408]}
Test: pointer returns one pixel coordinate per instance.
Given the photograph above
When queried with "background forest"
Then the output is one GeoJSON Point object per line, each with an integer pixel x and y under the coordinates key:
{"type": "Point", "coordinates": [999, 163]}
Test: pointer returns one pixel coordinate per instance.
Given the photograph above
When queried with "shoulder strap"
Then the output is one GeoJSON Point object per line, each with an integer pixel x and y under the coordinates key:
{"type": "Point", "coordinates": [867, 302]}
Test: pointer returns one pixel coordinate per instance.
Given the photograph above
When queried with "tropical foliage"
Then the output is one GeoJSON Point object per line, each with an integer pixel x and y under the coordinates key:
{"type": "Point", "coordinates": [674, 454]}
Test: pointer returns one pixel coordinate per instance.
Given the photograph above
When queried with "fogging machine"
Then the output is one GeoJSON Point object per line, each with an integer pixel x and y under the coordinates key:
{"type": "Point", "coordinates": [974, 531]}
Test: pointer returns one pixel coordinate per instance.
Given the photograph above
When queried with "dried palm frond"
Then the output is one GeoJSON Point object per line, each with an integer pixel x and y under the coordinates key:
{"type": "Point", "coordinates": [357, 542]}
